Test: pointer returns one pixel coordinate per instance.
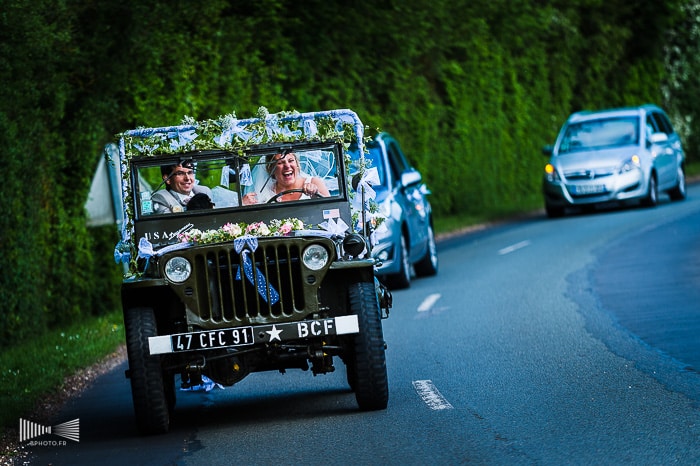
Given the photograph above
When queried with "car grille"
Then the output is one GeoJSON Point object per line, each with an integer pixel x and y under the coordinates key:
{"type": "Point", "coordinates": [580, 175]}
{"type": "Point", "coordinates": [224, 290]}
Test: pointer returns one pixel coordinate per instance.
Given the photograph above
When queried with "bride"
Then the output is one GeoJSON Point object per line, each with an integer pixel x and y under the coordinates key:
{"type": "Point", "coordinates": [284, 176]}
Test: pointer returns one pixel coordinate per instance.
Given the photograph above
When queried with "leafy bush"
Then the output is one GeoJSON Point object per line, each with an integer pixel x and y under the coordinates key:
{"type": "Point", "coordinates": [472, 89]}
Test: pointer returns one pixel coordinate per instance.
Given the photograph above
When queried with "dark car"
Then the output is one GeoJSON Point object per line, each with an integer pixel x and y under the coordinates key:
{"type": "Point", "coordinates": [616, 155]}
{"type": "Point", "coordinates": [405, 243]}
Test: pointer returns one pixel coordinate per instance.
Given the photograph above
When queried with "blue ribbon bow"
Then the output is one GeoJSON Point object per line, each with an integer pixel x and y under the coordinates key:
{"type": "Point", "coordinates": [244, 246]}
{"type": "Point", "coordinates": [121, 257]}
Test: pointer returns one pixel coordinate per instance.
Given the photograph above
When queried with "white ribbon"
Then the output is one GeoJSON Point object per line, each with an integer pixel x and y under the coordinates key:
{"type": "Point", "coordinates": [225, 137]}
{"type": "Point", "coordinates": [245, 178]}
{"type": "Point", "coordinates": [181, 138]}
{"type": "Point", "coordinates": [333, 227]}
{"type": "Point", "coordinates": [145, 249]}
{"type": "Point", "coordinates": [310, 128]}
{"type": "Point", "coordinates": [173, 247]}
{"type": "Point", "coordinates": [369, 178]}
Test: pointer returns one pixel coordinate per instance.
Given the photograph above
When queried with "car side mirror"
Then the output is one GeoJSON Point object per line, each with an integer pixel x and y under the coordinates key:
{"type": "Point", "coordinates": [410, 177]}
{"type": "Point", "coordinates": [657, 138]}
{"type": "Point", "coordinates": [548, 150]}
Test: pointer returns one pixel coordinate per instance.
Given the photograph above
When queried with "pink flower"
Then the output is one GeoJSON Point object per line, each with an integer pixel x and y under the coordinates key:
{"type": "Point", "coordinates": [285, 228]}
{"type": "Point", "coordinates": [232, 229]}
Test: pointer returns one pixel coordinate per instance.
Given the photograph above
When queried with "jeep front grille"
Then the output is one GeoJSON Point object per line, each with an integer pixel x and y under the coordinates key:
{"type": "Point", "coordinates": [224, 290]}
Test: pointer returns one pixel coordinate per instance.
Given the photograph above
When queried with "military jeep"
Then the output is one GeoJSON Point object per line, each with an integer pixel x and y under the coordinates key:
{"type": "Point", "coordinates": [216, 290]}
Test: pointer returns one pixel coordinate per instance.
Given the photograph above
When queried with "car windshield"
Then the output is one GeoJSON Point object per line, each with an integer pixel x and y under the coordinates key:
{"type": "Point", "coordinates": [224, 180]}
{"type": "Point", "coordinates": [600, 134]}
{"type": "Point", "coordinates": [373, 159]}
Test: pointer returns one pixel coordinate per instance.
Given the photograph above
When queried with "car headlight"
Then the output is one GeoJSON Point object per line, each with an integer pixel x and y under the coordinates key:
{"type": "Point", "coordinates": [385, 254]}
{"type": "Point", "coordinates": [551, 173]}
{"type": "Point", "coordinates": [178, 269]}
{"type": "Point", "coordinates": [630, 164]}
{"type": "Point", "coordinates": [315, 257]}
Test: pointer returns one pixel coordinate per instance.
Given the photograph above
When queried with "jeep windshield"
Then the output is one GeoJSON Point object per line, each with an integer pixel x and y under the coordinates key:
{"type": "Point", "coordinates": [264, 178]}
{"type": "Point", "coordinates": [205, 190]}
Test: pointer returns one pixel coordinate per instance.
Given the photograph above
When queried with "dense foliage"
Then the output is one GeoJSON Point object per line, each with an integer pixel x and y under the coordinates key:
{"type": "Point", "coordinates": [473, 89]}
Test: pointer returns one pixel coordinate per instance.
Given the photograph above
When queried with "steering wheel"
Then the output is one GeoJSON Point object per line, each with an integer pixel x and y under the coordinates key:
{"type": "Point", "coordinates": [288, 191]}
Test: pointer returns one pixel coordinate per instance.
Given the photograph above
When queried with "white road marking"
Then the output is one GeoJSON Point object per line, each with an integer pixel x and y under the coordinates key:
{"type": "Point", "coordinates": [428, 302]}
{"type": "Point", "coordinates": [514, 247]}
{"type": "Point", "coordinates": [430, 395]}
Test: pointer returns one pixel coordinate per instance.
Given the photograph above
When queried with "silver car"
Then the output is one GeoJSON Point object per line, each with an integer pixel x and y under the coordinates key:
{"type": "Point", "coordinates": [616, 155]}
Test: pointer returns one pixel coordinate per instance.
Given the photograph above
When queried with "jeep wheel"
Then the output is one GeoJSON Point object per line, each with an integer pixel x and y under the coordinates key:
{"type": "Point", "coordinates": [366, 365]}
{"type": "Point", "coordinates": [428, 265]}
{"type": "Point", "coordinates": [153, 396]}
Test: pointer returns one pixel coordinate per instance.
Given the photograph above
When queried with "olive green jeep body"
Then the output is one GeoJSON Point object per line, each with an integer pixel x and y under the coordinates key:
{"type": "Point", "coordinates": [213, 294]}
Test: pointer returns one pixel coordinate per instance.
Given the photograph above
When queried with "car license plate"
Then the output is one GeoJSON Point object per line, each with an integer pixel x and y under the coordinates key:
{"type": "Point", "coordinates": [588, 189]}
{"type": "Point", "coordinates": [240, 336]}
{"type": "Point", "coordinates": [245, 336]}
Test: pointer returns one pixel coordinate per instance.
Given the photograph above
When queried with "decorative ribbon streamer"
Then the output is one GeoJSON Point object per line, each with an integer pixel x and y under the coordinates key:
{"type": "Point", "coordinates": [145, 249]}
{"type": "Point", "coordinates": [225, 137]}
{"type": "Point", "coordinates": [310, 128]}
{"type": "Point", "coordinates": [226, 173]}
{"type": "Point", "coordinates": [289, 134]}
{"type": "Point", "coordinates": [121, 257]}
{"type": "Point", "coordinates": [321, 233]}
{"type": "Point", "coordinates": [146, 148]}
{"type": "Point", "coordinates": [245, 178]}
{"type": "Point", "coordinates": [375, 232]}
{"type": "Point", "coordinates": [122, 251]}
{"type": "Point", "coordinates": [271, 126]}
{"type": "Point", "coordinates": [369, 178]}
{"type": "Point", "coordinates": [244, 245]}
{"type": "Point", "coordinates": [173, 247]}
{"type": "Point", "coordinates": [243, 241]}
{"type": "Point", "coordinates": [333, 227]}
{"type": "Point", "coordinates": [206, 386]}
{"type": "Point", "coordinates": [181, 138]}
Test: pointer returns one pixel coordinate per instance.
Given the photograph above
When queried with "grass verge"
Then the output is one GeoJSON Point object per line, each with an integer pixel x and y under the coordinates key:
{"type": "Point", "coordinates": [37, 368]}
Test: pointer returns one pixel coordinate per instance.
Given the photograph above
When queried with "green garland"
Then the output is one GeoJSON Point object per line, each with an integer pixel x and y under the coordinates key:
{"type": "Point", "coordinates": [208, 133]}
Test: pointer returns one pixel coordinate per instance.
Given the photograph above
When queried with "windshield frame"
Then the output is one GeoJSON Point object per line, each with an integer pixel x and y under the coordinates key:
{"type": "Point", "coordinates": [145, 174]}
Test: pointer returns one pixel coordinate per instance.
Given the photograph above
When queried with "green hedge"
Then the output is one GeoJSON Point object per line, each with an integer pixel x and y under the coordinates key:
{"type": "Point", "coordinates": [472, 89]}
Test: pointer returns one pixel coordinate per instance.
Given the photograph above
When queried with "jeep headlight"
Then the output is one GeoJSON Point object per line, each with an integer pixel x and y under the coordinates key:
{"type": "Point", "coordinates": [315, 257]}
{"type": "Point", "coordinates": [178, 269]}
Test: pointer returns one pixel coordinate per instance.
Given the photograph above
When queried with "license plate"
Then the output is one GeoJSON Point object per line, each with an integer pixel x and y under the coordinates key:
{"type": "Point", "coordinates": [588, 189]}
{"type": "Point", "coordinates": [240, 336]}
{"type": "Point", "coordinates": [246, 336]}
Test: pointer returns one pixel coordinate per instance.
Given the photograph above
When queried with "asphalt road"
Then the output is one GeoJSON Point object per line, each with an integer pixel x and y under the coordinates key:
{"type": "Point", "coordinates": [568, 341]}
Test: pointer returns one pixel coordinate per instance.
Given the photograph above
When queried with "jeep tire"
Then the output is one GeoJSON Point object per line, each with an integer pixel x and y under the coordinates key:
{"type": "Point", "coordinates": [366, 365]}
{"type": "Point", "coordinates": [152, 402]}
